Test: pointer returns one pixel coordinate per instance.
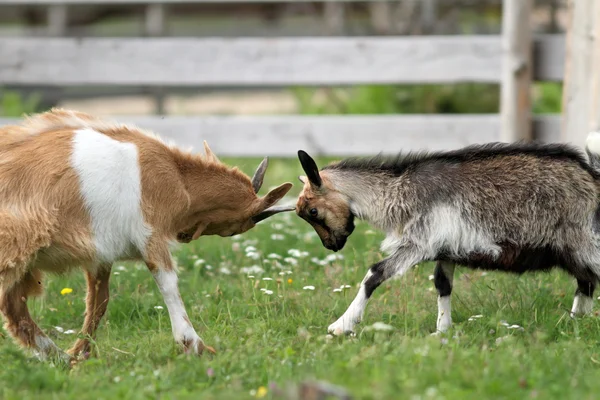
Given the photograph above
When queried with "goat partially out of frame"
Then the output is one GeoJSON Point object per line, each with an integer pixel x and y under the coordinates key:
{"type": "Point", "coordinates": [79, 192]}
{"type": "Point", "coordinates": [508, 207]}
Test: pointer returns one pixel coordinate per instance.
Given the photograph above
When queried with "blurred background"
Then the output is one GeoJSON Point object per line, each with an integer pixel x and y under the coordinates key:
{"type": "Point", "coordinates": [275, 20]}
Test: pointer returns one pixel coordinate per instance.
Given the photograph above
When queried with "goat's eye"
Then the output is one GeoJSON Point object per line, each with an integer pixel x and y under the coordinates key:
{"type": "Point", "coordinates": [313, 212]}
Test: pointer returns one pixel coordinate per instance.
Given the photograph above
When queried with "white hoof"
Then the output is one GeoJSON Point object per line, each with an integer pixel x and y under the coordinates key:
{"type": "Point", "coordinates": [341, 327]}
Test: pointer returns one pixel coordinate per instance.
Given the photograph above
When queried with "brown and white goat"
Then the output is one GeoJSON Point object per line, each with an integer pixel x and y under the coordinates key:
{"type": "Point", "coordinates": [79, 192]}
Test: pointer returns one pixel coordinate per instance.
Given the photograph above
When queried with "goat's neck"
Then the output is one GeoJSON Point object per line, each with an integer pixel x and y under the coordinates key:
{"type": "Point", "coordinates": [364, 193]}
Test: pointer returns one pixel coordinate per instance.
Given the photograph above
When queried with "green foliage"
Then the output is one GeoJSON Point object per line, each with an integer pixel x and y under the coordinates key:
{"type": "Point", "coordinates": [464, 98]}
{"type": "Point", "coordinates": [547, 98]}
{"type": "Point", "coordinates": [279, 339]}
{"type": "Point", "coordinates": [13, 104]}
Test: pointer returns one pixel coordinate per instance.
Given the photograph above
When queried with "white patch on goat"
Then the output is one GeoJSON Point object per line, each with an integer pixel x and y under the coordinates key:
{"type": "Point", "coordinates": [592, 142]}
{"type": "Point", "coordinates": [448, 230]}
{"type": "Point", "coordinates": [391, 243]}
{"type": "Point", "coordinates": [582, 305]}
{"type": "Point", "coordinates": [353, 315]}
{"type": "Point", "coordinates": [110, 179]}
{"type": "Point", "coordinates": [183, 331]}
{"type": "Point", "coordinates": [444, 320]}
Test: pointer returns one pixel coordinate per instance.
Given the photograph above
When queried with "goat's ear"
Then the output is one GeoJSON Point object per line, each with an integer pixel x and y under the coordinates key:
{"type": "Point", "coordinates": [267, 207]}
{"type": "Point", "coordinates": [310, 167]}
{"type": "Point", "coordinates": [210, 156]}
{"type": "Point", "coordinates": [275, 195]}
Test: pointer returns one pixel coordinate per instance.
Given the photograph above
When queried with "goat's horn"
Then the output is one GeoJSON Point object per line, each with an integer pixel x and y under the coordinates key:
{"type": "Point", "coordinates": [259, 175]}
{"type": "Point", "coordinates": [271, 211]}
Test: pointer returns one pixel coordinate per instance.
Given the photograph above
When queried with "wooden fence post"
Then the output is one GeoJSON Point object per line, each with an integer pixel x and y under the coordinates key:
{"type": "Point", "coordinates": [57, 19]}
{"type": "Point", "coordinates": [334, 15]}
{"type": "Point", "coordinates": [580, 95]}
{"type": "Point", "coordinates": [155, 26]}
{"type": "Point", "coordinates": [515, 97]}
{"type": "Point", "coordinates": [595, 111]}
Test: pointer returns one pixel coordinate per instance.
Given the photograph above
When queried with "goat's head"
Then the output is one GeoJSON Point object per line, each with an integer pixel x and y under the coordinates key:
{"type": "Point", "coordinates": [323, 207]}
{"type": "Point", "coordinates": [235, 206]}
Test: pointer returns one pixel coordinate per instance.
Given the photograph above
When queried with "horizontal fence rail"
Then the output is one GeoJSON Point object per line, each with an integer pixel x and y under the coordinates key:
{"type": "Point", "coordinates": [330, 135]}
{"type": "Point", "coordinates": [265, 62]}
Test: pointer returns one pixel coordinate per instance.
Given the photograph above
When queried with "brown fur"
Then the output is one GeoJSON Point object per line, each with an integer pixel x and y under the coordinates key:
{"type": "Point", "coordinates": [44, 224]}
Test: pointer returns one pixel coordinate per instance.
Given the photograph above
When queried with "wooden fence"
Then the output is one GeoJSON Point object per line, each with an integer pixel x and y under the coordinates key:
{"type": "Point", "coordinates": [512, 60]}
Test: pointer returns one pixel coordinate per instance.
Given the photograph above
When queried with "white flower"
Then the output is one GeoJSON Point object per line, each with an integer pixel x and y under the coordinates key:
{"type": "Point", "coordinates": [225, 271]}
{"type": "Point", "coordinates": [69, 332]}
{"type": "Point", "coordinates": [198, 262]}
{"type": "Point", "coordinates": [346, 287]}
{"type": "Point", "coordinates": [520, 328]}
{"type": "Point", "coordinates": [253, 255]}
{"type": "Point", "coordinates": [59, 328]}
{"type": "Point", "coordinates": [250, 249]}
{"type": "Point", "coordinates": [268, 292]}
{"type": "Point", "coordinates": [254, 269]}
{"type": "Point", "coordinates": [309, 287]}
{"type": "Point", "coordinates": [288, 272]}
{"type": "Point", "coordinates": [116, 273]}
{"type": "Point", "coordinates": [337, 290]}
{"type": "Point", "coordinates": [251, 276]}
{"type": "Point", "coordinates": [277, 226]}
{"type": "Point", "coordinates": [430, 277]}
{"type": "Point", "coordinates": [277, 236]}
{"type": "Point", "coordinates": [282, 273]}
{"type": "Point", "coordinates": [380, 326]}
{"type": "Point", "coordinates": [208, 267]}
{"type": "Point", "coordinates": [291, 260]}
{"type": "Point", "coordinates": [294, 252]}
{"type": "Point", "coordinates": [267, 279]}
{"type": "Point", "coordinates": [273, 255]}
{"type": "Point", "coordinates": [208, 295]}
{"type": "Point", "coordinates": [121, 268]}
{"type": "Point", "coordinates": [158, 307]}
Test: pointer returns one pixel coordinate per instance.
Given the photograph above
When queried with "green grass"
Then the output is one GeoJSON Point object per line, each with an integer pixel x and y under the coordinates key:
{"type": "Point", "coordinates": [280, 339]}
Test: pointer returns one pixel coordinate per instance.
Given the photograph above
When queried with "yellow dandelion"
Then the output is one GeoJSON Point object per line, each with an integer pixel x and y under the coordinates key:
{"type": "Point", "coordinates": [66, 291]}
{"type": "Point", "coordinates": [261, 392]}
{"type": "Point", "coordinates": [290, 280]}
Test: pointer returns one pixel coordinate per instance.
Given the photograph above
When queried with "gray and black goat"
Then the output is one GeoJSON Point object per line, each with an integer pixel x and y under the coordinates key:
{"type": "Point", "coordinates": [510, 207]}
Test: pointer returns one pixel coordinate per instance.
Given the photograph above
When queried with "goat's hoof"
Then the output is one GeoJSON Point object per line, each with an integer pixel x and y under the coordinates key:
{"type": "Point", "coordinates": [340, 329]}
{"type": "Point", "coordinates": [202, 347]}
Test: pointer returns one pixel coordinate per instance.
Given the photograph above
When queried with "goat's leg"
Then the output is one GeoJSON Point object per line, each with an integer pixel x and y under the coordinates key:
{"type": "Point", "coordinates": [443, 278]}
{"type": "Point", "coordinates": [584, 298]}
{"type": "Point", "coordinates": [95, 306]}
{"type": "Point", "coordinates": [161, 266]}
{"type": "Point", "coordinates": [397, 264]}
{"type": "Point", "coordinates": [13, 305]}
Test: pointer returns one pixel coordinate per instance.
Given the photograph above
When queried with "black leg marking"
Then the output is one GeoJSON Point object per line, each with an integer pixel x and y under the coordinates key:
{"type": "Point", "coordinates": [377, 277]}
{"type": "Point", "coordinates": [585, 288]}
{"type": "Point", "coordinates": [441, 281]}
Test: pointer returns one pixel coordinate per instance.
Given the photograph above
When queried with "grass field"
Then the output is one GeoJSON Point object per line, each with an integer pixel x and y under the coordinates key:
{"type": "Point", "coordinates": [249, 297]}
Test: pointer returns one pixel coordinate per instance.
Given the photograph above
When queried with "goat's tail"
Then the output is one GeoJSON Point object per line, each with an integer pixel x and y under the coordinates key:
{"type": "Point", "coordinates": [592, 148]}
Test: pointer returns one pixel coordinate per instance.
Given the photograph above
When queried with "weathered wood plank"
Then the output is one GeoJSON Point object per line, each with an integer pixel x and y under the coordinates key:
{"type": "Point", "coordinates": [578, 89]}
{"type": "Point", "coordinates": [595, 110]}
{"type": "Point", "coordinates": [251, 61]}
{"type": "Point", "coordinates": [515, 98]}
{"type": "Point", "coordinates": [127, 2]}
{"type": "Point", "coordinates": [330, 135]}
